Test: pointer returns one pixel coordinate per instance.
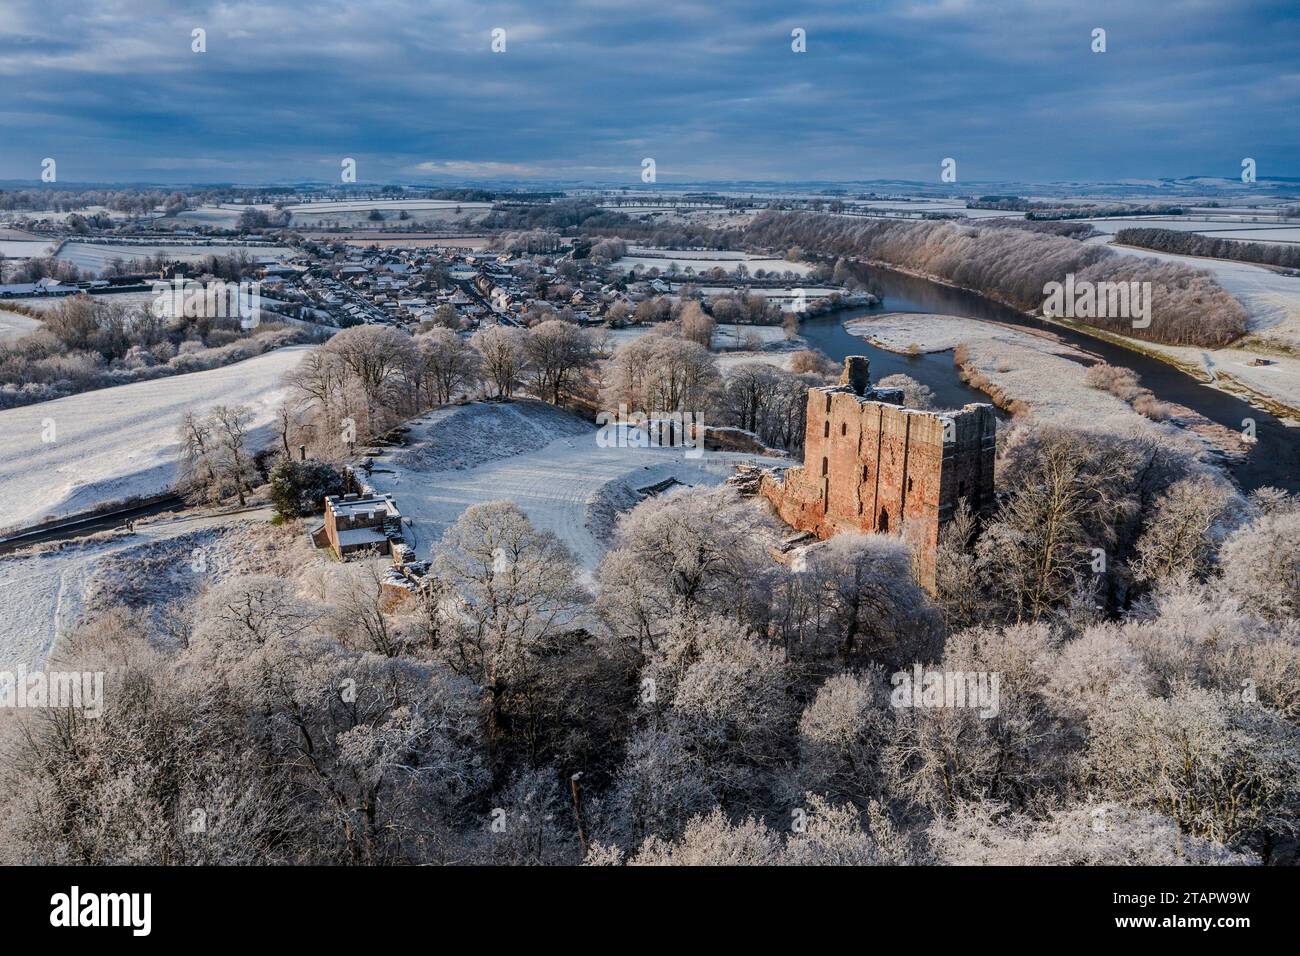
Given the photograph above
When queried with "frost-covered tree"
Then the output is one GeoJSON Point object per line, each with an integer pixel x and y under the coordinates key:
{"type": "Point", "coordinates": [854, 598]}
{"type": "Point", "coordinates": [504, 357]}
{"type": "Point", "coordinates": [1261, 565]}
{"type": "Point", "coordinates": [1181, 536]}
{"type": "Point", "coordinates": [1223, 768]}
{"type": "Point", "coordinates": [693, 550]}
{"type": "Point", "coordinates": [447, 364]}
{"type": "Point", "coordinates": [1090, 834]}
{"type": "Point", "coordinates": [511, 594]}
{"type": "Point", "coordinates": [940, 756]}
{"type": "Point", "coordinates": [841, 733]}
{"type": "Point", "coordinates": [714, 840]}
{"type": "Point", "coordinates": [559, 357]}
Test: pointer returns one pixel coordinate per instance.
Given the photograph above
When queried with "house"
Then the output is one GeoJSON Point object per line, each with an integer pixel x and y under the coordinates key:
{"type": "Point", "coordinates": [356, 523]}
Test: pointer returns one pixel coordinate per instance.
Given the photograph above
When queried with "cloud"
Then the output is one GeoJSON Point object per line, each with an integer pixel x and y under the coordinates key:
{"type": "Point", "coordinates": [1008, 87]}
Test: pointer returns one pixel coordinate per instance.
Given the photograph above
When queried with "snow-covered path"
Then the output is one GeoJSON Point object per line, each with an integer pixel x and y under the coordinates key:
{"type": "Point", "coordinates": [77, 453]}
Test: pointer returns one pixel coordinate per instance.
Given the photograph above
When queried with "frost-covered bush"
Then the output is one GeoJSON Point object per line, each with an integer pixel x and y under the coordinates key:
{"type": "Point", "coordinates": [299, 488]}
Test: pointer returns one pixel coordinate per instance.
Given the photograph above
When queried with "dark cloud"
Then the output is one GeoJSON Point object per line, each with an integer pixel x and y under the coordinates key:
{"type": "Point", "coordinates": [586, 89]}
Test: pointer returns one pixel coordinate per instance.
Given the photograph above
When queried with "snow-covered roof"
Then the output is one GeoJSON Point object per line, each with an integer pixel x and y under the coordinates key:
{"type": "Point", "coordinates": [361, 536]}
{"type": "Point", "coordinates": [353, 506]}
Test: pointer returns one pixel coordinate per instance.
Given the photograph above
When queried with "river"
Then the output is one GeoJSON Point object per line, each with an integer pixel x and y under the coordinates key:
{"type": "Point", "coordinates": [1273, 460]}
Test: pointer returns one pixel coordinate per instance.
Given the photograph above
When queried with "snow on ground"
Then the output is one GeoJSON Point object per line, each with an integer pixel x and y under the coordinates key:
{"type": "Point", "coordinates": [1208, 226]}
{"type": "Point", "coordinates": [776, 349]}
{"type": "Point", "coordinates": [25, 248]}
{"type": "Point", "coordinates": [1036, 368]}
{"type": "Point", "coordinates": [729, 360]}
{"type": "Point", "coordinates": [43, 595]}
{"type": "Point", "coordinates": [36, 215]}
{"type": "Point", "coordinates": [14, 326]}
{"type": "Point", "coordinates": [365, 205]}
{"type": "Point", "coordinates": [728, 335]}
{"type": "Point", "coordinates": [130, 300]}
{"type": "Point", "coordinates": [94, 257]}
{"type": "Point", "coordinates": [560, 486]}
{"type": "Point", "coordinates": [116, 443]}
{"type": "Point", "coordinates": [356, 213]}
{"type": "Point", "coordinates": [1272, 301]}
{"type": "Point", "coordinates": [702, 260]}
{"type": "Point", "coordinates": [458, 437]}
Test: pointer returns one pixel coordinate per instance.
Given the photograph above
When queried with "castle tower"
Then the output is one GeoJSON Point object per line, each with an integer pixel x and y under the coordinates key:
{"type": "Point", "coordinates": [871, 464]}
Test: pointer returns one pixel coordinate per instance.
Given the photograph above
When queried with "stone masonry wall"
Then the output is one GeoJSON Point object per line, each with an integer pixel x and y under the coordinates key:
{"type": "Point", "coordinates": [871, 465]}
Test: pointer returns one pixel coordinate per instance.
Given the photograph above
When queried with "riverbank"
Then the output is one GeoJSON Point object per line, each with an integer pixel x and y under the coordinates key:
{"type": "Point", "coordinates": [1034, 372]}
{"type": "Point", "coordinates": [1273, 388]}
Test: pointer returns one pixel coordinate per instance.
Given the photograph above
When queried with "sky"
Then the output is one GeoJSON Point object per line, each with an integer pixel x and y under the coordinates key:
{"type": "Point", "coordinates": [586, 90]}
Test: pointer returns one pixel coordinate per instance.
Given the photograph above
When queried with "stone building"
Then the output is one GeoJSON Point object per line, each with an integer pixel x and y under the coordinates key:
{"type": "Point", "coordinates": [872, 465]}
{"type": "Point", "coordinates": [355, 523]}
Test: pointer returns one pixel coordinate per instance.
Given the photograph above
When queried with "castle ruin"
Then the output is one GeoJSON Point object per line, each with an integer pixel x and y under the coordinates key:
{"type": "Point", "coordinates": [872, 465]}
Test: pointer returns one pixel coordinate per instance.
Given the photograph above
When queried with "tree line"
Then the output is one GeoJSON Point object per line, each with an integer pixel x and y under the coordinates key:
{"type": "Point", "coordinates": [1192, 244]}
{"type": "Point", "coordinates": [1188, 307]}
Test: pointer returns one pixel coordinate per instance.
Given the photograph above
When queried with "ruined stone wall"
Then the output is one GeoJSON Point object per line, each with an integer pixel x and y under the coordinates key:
{"type": "Point", "coordinates": [870, 465]}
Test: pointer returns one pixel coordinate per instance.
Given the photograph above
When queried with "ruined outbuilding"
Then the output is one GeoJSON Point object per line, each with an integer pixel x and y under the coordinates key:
{"type": "Point", "coordinates": [356, 523]}
{"type": "Point", "coordinates": [871, 464]}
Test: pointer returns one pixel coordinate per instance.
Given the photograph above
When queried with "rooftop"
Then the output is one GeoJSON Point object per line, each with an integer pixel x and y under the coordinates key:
{"type": "Point", "coordinates": [353, 506]}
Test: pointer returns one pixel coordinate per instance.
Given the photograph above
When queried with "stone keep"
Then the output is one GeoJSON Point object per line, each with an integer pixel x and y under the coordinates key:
{"type": "Point", "coordinates": [872, 465]}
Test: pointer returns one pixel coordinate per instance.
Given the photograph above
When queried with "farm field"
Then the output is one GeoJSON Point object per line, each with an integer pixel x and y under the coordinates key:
{"type": "Point", "coordinates": [1271, 298]}
{"type": "Point", "coordinates": [389, 241]}
{"type": "Point", "coordinates": [94, 257]}
{"type": "Point", "coordinates": [15, 326]}
{"type": "Point", "coordinates": [46, 592]}
{"type": "Point", "coordinates": [117, 443]}
{"type": "Point", "coordinates": [357, 213]}
{"type": "Point", "coordinates": [1259, 228]}
{"type": "Point", "coordinates": [702, 260]}
{"type": "Point", "coordinates": [25, 248]}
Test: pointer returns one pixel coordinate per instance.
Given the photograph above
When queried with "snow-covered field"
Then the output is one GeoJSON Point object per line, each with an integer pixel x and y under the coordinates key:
{"type": "Point", "coordinates": [19, 215]}
{"type": "Point", "coordinates": [1275, 234]}
{"type": "Point", "coordinates": [1272, 301]}
{"type": "Point", "coordinates": [744, 337]}
{"type": "Point", "coordinates": [117, 443]}
{"type": "Point", "coordinates": [14, 326]}
{"type": "Point", "coordinates": [25, 248]}
{"type": "Point", "coordinates": [357, 212]}
{"type": "Point", "coordinates": [93, 257]}
{"type": "Point", "coordinates": [1037, 369]}
{"type": "Point", "coordinates": [131, 300]}
{"type": "Point", "coordinates": [776, 350]}
{"type": "Point", "coordinates": [561, 485]}
{"type": "Point", "coordinates": [895, 208]}
{"type": "Point", "coordinates": [1113, 224]}
{"type": "Point", "coordinates": [42, 595]}
{"type": "Point", "coordinates": [702, 260]}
